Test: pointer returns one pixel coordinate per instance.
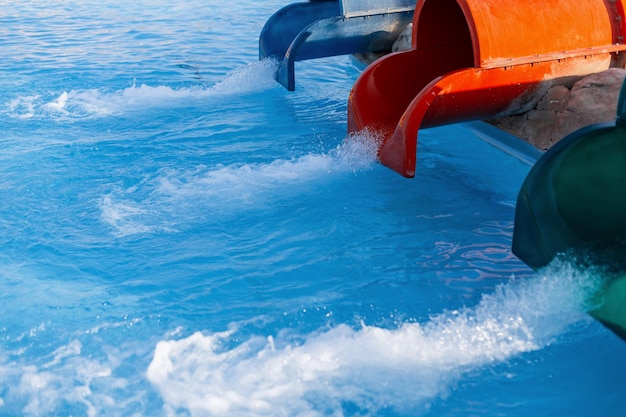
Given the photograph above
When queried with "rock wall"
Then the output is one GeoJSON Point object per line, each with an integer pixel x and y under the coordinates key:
{"type": "Point", "coordinates": [561, 111]}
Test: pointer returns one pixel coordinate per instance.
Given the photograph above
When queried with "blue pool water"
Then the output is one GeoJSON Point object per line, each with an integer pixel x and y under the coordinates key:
{"type": "Point", "coordinates": [180, 236]}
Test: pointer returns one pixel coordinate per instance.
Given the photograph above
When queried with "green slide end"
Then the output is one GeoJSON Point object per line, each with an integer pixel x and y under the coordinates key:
{"type": "Point", "coordinates": [612, 306]}
{"type": "Point", "coordinates": [574, 198]}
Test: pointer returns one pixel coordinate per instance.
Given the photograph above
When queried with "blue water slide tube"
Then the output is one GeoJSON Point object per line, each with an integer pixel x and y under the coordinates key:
{"type": "Point", "coordinates": [321, 28]}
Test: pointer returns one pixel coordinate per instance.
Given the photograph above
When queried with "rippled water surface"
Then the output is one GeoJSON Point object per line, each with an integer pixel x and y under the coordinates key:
{"type": "Point", "coordinates": [180, 236]}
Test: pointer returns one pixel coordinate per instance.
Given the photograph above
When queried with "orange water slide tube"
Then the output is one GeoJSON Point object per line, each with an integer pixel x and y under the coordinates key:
{"type": "Point", "coordinates": [478, 59]}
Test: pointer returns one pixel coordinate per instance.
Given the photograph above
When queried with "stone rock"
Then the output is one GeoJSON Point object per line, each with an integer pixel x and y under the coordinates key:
{"type": "Point", "coordinates": [561, 111]}
{"type": "Point", "coordinates": [404, 41]}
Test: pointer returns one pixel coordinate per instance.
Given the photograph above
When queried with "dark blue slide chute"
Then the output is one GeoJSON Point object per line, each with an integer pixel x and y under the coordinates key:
{"type": "Point", "coordinates": [321, 28]}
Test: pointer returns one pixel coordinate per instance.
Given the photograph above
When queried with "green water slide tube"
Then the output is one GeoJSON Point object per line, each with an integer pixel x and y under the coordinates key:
{"type": "Point", "coordinates": [322, 28]}
{"type": "Point", "coordinates": [574, 199]}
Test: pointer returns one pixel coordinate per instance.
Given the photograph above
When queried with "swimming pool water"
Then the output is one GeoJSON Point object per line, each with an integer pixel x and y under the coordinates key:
{"type": "Point", "coordinates": [180, 236]}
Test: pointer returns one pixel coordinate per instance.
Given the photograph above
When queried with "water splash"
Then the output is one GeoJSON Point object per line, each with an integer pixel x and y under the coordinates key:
{"type": "Point", "coordinates": [367, 369]}
{"type": "Point", "coordinates": [70, 380]}
{"type": "Point", "coordinates": [124, 217]}
{"type": "Point", "coordinates": [158, 204]}
{"type": "Point", "coordinates": [256, 77]}
{"type": "Point", "coordinates": [336, 371]}
{"type": "Point", "coordinates": [95, 103]}
{"type": "Point", "coordinates": [354, 154]}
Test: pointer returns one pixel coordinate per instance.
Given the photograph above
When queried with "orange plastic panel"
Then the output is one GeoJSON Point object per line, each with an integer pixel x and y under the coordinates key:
{"type": "Point", "coordinates": [534, 27]}
{"type": "Point", "coordinates": [475, 59]}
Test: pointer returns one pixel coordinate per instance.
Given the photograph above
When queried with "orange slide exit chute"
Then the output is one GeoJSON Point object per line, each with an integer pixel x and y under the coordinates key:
{"type": "Point", "coordinates": [473, 59]}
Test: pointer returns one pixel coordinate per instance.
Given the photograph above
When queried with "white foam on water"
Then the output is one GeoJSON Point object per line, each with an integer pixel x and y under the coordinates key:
{"type": "Point", "coordinates": [23, 107]}
{"type": "Point", "coordinates": [88, 103]}
{"type": "Point", "coordinates": [354, 154]}
{"type": "Point", "coordinates": [256, 77]}
{"type": "Point", "coordinates": [173, 193]}
{"type": "Point", "coordinates": [370, 368]}
{"type": "Point", "coordinates": [124, 217]}
{"type": "Point", "coordinates": [69, 378]}
{"type": "Point", "coordinates": [59, 104]}
{"type": "Point", "coordinates": [336, 371]}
